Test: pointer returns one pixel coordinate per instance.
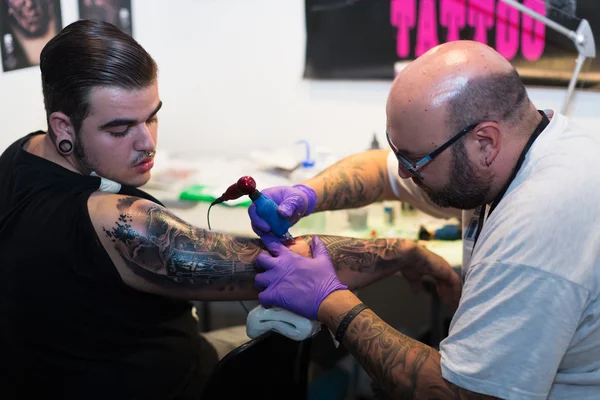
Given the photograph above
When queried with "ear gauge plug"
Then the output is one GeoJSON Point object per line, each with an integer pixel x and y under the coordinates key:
{"type": "Point", "coordinates": [65, 146]}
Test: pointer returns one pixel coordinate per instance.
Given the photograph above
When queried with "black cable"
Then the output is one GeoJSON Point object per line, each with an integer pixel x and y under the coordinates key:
{"type": "Point", "coordinates": [208, 215]}
{"type": "Point", "coordinates": [245, 308]}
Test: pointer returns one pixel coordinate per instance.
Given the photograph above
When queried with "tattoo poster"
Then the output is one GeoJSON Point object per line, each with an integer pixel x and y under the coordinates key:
{"type": "Point", "coordinates": [116, 12]}
{"type": "Point", "coordinates": [364, 39]}
{"type": "Point", "coordinates": [26, 26]}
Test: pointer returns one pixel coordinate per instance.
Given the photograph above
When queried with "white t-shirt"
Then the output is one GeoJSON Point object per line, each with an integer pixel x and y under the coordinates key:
{"type": "Point", "coordinates": [528, 322]}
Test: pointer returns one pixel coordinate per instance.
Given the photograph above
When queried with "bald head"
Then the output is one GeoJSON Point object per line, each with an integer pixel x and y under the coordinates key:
{"type": "Point", "coordinates": [456, 84]}
{"type": "Point", "coordinates": [459, 87]}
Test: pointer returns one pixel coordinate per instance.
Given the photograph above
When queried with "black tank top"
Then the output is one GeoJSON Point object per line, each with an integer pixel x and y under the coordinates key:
{"type": "Point", "coordinates": [69, 327]}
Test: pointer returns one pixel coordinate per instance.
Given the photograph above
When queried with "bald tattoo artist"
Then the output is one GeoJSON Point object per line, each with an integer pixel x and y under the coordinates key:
{"type": "Point", "coordinates": [464, 135]}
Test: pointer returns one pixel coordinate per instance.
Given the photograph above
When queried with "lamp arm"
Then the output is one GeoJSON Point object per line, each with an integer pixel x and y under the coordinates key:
{"type": "Point", "coordinates": [583, 39]}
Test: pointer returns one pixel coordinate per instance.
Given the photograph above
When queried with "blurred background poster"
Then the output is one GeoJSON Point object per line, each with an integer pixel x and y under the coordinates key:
{"type": "Point", "coordinates": [26, 26]}
{"type": "Point", "coordinates": [364, 39]}
{"type": "Point", "coordinates": [116, 12]}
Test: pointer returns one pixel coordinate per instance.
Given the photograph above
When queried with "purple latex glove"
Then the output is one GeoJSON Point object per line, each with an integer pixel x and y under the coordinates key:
{"type": "Point", "coordinates": [293, 282]}
{"type": "Point", "coordinates": [294, 203]}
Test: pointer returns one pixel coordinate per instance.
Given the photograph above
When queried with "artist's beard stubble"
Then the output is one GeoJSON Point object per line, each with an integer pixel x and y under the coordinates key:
{"type": "Point", "coordinates": [465, 189]}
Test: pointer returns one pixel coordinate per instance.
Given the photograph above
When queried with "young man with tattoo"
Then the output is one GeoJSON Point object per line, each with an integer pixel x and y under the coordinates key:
{"type": "Point", "coordinates": [465, 136]}
{"type": "Point", "coordinates": [96, 275]}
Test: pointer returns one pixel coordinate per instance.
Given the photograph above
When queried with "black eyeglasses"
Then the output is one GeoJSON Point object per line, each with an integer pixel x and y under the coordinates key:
{"type": "Point", "coordinates": [414, 168]}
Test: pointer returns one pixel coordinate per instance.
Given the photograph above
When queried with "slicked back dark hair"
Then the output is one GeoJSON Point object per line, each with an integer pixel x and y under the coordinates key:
{"type": "Point", "coordinates": [497, 97]}
{"type": "Point", "coordinates": [88, 54]}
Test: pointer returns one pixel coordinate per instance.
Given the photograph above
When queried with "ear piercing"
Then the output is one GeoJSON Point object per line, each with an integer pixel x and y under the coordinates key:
{"type": "Point", "coordinates": [65, 146]}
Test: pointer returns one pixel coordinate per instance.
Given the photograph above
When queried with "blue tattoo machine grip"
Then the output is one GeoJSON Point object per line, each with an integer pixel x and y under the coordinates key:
{"type": "Point", "coordinates": [267, 210]}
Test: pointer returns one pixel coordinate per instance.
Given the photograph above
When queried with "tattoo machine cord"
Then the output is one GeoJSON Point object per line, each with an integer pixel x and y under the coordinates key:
{"type": "Point", "coordinates": [208, 216]}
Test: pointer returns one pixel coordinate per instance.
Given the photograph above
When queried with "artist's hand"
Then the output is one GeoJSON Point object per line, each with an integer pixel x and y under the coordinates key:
{"type": "Point", "coordinates": [447, 281]}
{"type": "Point", "coordinates": [294, 202]}
{"type": "Point", "coordinates": [293, 282]}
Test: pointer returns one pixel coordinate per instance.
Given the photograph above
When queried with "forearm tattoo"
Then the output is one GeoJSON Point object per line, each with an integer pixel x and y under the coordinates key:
{"type": "Point", "coordinates": [403, 367]}
{"type": "Point", "coordinates": [171, 252]}
{"type": "Point", "coordinates": [351, 183]}
{"type": "Point", "coordinates": [366, 255]}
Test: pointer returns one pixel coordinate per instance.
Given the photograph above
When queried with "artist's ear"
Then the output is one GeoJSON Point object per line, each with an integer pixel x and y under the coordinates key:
{"type": "Point", "coordinates": [62, 127]}
{"type": "Point", "coordinates": [489, 141]}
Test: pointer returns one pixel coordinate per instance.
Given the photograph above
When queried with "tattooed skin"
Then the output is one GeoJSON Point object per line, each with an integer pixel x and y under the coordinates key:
{"type": "Point", "coordinates": [360, 262]}
{"type": "Point", "coordinates": [360, 255]}
{"type": "Point", "coordinates": [172, 252]}
{"type": "Point", "coordinates": [168, 251]}
{"type": "Point", "coordinates": [350, 183]}
{"type": "Point", "coordinates": [403, 367]}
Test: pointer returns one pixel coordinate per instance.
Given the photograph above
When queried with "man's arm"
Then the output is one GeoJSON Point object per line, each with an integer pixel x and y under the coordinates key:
{"type": "Point", "coordinates": [155, 251]}
{"type": "Point", "coordinates": [360, 262]}
{"type": "Point", "coordinates": [355, 181]}
{"type": "Point", "coordinates": [402, 366]}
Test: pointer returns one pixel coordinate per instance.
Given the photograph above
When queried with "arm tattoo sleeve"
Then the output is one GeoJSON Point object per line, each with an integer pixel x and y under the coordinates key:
{"type": "Point", "coordinates": [403, 367]}
{"type": "Point", "coordinates": [367, 255]}
{"type": "Point", "coordinates": [351, 183]}
{"type": "Point", "coordinates": [172, 253]}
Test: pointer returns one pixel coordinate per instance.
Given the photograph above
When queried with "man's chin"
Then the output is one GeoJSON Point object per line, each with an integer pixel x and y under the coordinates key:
{"type": "Point", "coordinates": [439, 200]}
{"type": "Point", "coordinates": [418, 182]}
{"type": "Point", "coordinates": [35, 29]}
{"type": "Point", "coordinates": [139, 180]}
{"type": "Point", "coordinates": [133, 181]}
{"type": "Point", "coordinates": [444, 202]}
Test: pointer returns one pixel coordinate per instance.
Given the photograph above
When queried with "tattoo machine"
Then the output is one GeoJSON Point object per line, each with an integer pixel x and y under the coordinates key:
{"type": "Point", "coordinates": [260, 319]}
{"type": "Point", "coordinates": [265, 207]}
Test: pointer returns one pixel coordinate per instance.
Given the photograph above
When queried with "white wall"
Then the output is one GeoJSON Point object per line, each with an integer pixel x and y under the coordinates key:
{"type": "Point", "coordinates": [231, 78]}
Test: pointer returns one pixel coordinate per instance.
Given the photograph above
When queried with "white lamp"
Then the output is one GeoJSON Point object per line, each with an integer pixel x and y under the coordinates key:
{"type": "Point", "coordinates": [583, 39]}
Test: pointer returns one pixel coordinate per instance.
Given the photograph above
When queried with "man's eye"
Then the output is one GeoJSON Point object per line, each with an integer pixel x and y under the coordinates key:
{"type": "Point", "coordinates": [120, 133]}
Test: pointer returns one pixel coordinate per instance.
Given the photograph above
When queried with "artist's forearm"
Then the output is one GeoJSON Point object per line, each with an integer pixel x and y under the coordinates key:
{"type": "Point", "coordinates": [355, 181]}
{"type": "Point", "coordinates": [403, 367]}
{"type": "Point", "coordinates": [360, 262]}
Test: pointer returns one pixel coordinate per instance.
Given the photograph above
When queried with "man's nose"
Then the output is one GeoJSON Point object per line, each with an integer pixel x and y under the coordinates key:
{"type": "Point", "coordinates": [404, 173]}
{"type": "Point", "coordinates": [146, 140]}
